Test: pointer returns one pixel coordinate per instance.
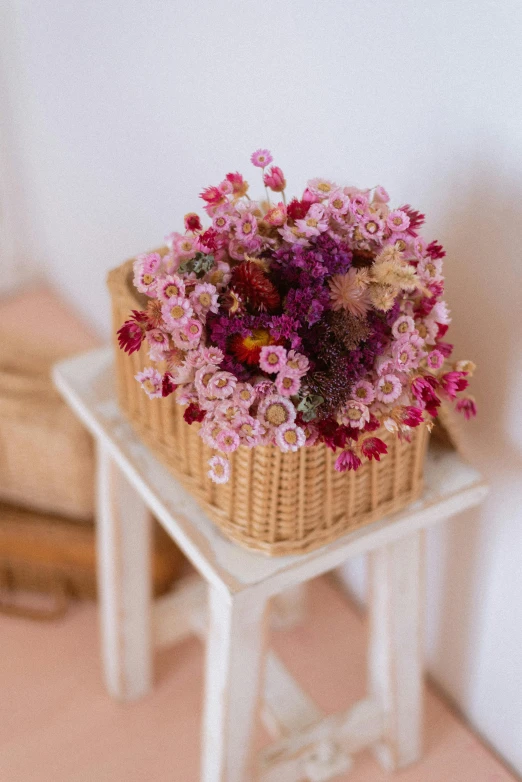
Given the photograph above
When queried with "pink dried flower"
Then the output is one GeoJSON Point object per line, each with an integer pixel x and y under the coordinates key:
{"type": "Point", "coordinates": [411, 416]}
{"type": "Point", "coordinates": [183, 246]}
{"type": "Point", "coordinates": [397, 220]}
{"type": "Point", "coordinates": [246, 227]}
{"type": "Point", "coordinates": [151, 382]}
{"type": "Point", "coordinates": [276, 215]}
{"type": "Point", "coordinates": [244, 395]}
{"type": "Point", "coordinates": [380, 195]}
{"type": "Point", "coordinates": [239, 185]}
{"type": "Point", "coordinates": [388, 389]}
{"type": "Point", "coordinates": [272, 358]}
{"type": "Point", "coordinates": [212, 355]}
{"type": "Point", "coordinates": [221, 222]}
{"type": "Point", "coordinates": [203, 377]}
{"type": "Point", "coordinates": [355, 414]}
{"type": "Point", "coordinates": [261, 158]}
{"type": "Point", "coordinates": [146, 271]}
{"type": "Point", "coordinates": [157, 339]}
{"type": "Point", "coordinates": [405, 355]}
{"type": "Point", "coordinates": [321, 187]}
{"type": "Point", "coordinates": [229, 412]}
{"type": "Point", "coordinates": [363, 391]}
{"type": "Point", "coordinates": [227, 440]}
{"type": "Point", "coordinates": [204, 298]}
{"type": "Point", "coordinates": [347, 460]}
{"type": "Point", "coordinates": [212, 195]}
{"type": "Point", "coordinates": [288, 383]}
{"type": "Point", "coordinates": [338, 203]}
{"type": "Point", "coordinates": [297, 362]}
{"type": "Point", "coordinates": [276, 410]}
{"type": "Point", "coordinates": [453, 382]}
{"type": "Point", "coordinates": [249, 430]}
{"type": "Point", "coordinates": [467, 407]}
{"type": "Point", "coordinates": [193, 330]}
{"type": "Point", "coordinates": [170, 287]}
{"type": "Point", "coordinates": [314, 223]}
{"type": "Point", "coordinates": [430, 269]}
{"type": "Point", "coordinates": [219, 469]}
{"type": "Point", "coordinates": [176, 312]}
{"type": "Point", "coordinates": [347, 292]}
{"type": "Point", "coordinates": [371, 227]}
{"type": "Point", "coordinates": [221, 385]}
{"type": "Point", "coordinates": [290, 437]}
{"type": "Point", "coordinates": [402, 326]}
{"type": "Point", "coordinates": [275, 179]}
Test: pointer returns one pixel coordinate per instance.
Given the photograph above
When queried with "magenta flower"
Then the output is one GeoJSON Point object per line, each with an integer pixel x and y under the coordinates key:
{"type": "Point", "coordinates": [261, 158]}
{"type": "Point", "coordinates": [467, 407]}
{"type": "Point", "coordinates": [275, 179]}
{"type": "Point", "coordinates": [453, 382]}
{"type": "Point", "coordinates": [347, 460]}
{"type": "Point", "coordinates": [373, 448]}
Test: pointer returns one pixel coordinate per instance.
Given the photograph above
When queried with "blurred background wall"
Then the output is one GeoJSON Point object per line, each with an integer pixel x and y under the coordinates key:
{"type": "Point", "coordinates": [115, 114]}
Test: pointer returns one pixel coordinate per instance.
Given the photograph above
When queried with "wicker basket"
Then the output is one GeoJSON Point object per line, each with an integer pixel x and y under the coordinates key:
{"type": "Point", "coordinates": [276, 503]}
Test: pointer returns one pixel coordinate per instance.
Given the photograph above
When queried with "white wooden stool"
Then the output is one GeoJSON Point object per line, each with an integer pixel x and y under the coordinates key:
{"type": "Point", "coordinates": [240, 671]}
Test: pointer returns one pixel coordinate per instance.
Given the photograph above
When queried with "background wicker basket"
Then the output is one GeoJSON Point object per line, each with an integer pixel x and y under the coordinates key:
{"type": "Point", "coordinates": [279, 503]}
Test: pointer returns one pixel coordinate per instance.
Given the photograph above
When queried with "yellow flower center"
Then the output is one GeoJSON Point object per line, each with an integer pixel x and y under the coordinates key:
{"type": "Point", "coordinates": [205, 379]}
{"type": "Point", "coordinates": [247, 228]}
{"type": "Point", "coordinates": [193, 328]}
{"type": "Point", "coordinates": [186, 246]}
{"type": "Point", "coordinates": [387, 387]}
{"type": "Point", "coordinates": [148, 279]}
{"type": "Point", "coordinates": [221, 382]}
{"type": "Point", "coordinates": [158, 337]}
{"type": "Point", "coordinates": [421, 328]}
{"type": "Point", "coordinates": [149, 385]}
{"type": "Point", "coordinates": [312, 222]}
{"type": "Point", "coordinates": [245, 394]}
{"type": "Point", "coordinates": [397, 220]}
{"type": "Point", "coordinates": [371, 227]}
{"type": "Point", "coordinates": [220, 222]}
{"type": "Point", "coordinates": [273, 358]}
{"type": "Point", "coordinates": [172, 290]}
{"type": "Point", "coordinates": [177, 311]}
{"type": "Point", "coordinates": [324, 187]}
{"type": "Point", "coordinates": [219, 470]}
{"type": "Point", "coordinates": [205, 299]}
{"type": "Point", "coordinates": [403, 357]}
{"type": "Point", "coordinates": [361, 393]}
{"type": "Point", "coordinates": [403, 327]}
{"type": "Point", "coordinates": [354, 414]}
{"type": "Point", "coordinates": [247, 429]}
{"type": "Point", "coordinates": [337, 203]}
{"type": "Point", "coordinates": [430, 268]}
{"type": "Point", "coordinates": [400, 245]}
{"type": "Point", "coordinates": [290, 437]}
{"type": "Point", "coordinates": [276, 414]}
{"type": "Point", "coordinates": [229, 439]}
{"type": "Point", "coordinates": [287, 382]}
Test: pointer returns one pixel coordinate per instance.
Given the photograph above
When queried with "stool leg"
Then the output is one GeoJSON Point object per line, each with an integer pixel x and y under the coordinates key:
{"type": "Point", "coordinates": [234, 667]}
{"type": "Point", "coordinates": [123, 530]}
{"type": "Point", "coordinates": [395, 647]}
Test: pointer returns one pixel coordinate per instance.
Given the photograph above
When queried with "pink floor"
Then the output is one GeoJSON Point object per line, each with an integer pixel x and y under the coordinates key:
{"type": "Point", "coordinates": [58, 725]}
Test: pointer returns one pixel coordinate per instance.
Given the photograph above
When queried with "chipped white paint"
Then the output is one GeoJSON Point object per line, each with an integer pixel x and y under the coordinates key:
{"type": "Point", "coordinates": [242, 585]}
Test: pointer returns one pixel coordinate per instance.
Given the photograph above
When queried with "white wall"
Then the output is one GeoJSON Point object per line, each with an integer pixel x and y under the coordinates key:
{"type": "Point", "coordinates": [125, 110]}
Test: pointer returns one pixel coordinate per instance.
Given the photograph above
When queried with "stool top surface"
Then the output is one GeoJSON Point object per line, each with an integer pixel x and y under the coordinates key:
{"type": "Point", "coordinates": [87, 382]}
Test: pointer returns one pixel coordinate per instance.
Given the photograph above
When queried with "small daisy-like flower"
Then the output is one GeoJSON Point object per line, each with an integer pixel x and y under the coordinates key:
{"type": "Point", "coordinates": [338, 203]}
{"type": "Point", "coordinates": [290, 437]}
{"type": "Point", "coordinates": [182, 340]}
{"type": "Point", "coordinates": [276, 410]}
{"type": "Point", "coordinates": [287, 383]}
{"type": "Point", "coordinates": [229, 412]}
{"type": "Point", "coordinates": [355, 414]}
{"type": "Point", "coordinates": [244, 395]}
{"type": "Point", "coordinates": [227, 440]}
{"type": "Point", "coordinates": [397, 220]}
{"type": "Point", "coordinates": [212, 355]}
{"type": "Point", "coordinates": [440, 313]}
{"type": "Point", "coordinates": [204, 298]}
{"type": "Point", "coordinates": [405, 356]}
{"type": "Point", "coordinates": [347, 460]}
{"type": "Point", "coordinates": [246, 227]}
{"type": "Point", "coordinates": [209, 431]}
{"type": "Point", "coordinates": [225, 187]}
{"type": "Point", "coordinates": [275, 179]}
{"type": "Point", "coordinates": [183, 246]}
{"type": "Point", "coordinates": [347, 292]}
{"type": "Point", "coordinates": [430, 269]}
{"type": "Point", "coordinates": [219, 469]}
{"type": "Point", "coordinates": [276, 215]}
{"type": "Point", "coordinates": [146, 271]}
{"type": "Point", "coordinates": [170, 287]}
{"type": "Point", "coordinates": [315, 222]}
{"type": "Point", "coordinates": [272, 358]}
{"type": "Point", "coordinates": [221, 385]}
{"type": "Point", "coordinates": [203, 378]}
{"type": "Point", "coordinates": [249, 430]}
{"type": "Point", "coordinates": [297, 363]}
{"type": "Point", "coordinates": [150, 380]}
{"type": "Point", "coordinates": [388, 389]}
{"type": "Point", "coordinates": [371, 227]}
{"type": "Point", "coordinates": [177, 312]}
{"type": "Point", "coordinates": [363, 391]}
{"type": "Point", "coordinates": [435, 359]}
{"type": "Point", "coordinates": [193, 330]}
{"type": "Point", "coordinates": [158, 341]}
{"type": "Point", "coordinates": [403, 326]}
{"type": "Point", "coordinates": [321, 187]}
{"type": "Point", "coordinates": [221, 222]}
{"type": "Point", "coordinates": [192, 222]}
{"type": "Point", "coordinates": [467, 407]}
{"type": "Point", "coordinates": [359, 204]}
{"type": "Point", "coordinates": [261, 158]}
{"type": "Point", "coordinates": [239, 247]}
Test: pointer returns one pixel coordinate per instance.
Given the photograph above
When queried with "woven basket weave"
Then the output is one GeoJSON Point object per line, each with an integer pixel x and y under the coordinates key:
{"type": "Point", "coordinates": [278, 503]}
